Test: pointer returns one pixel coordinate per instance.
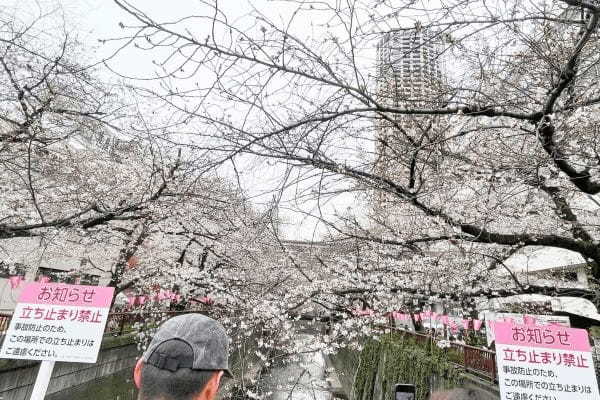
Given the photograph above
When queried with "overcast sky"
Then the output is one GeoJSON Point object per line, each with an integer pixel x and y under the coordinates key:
{"type": "Point", "coordinates": [94, 20]}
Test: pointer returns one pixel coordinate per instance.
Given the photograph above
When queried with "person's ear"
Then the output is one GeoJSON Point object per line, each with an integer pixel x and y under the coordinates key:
{"type": "Point", "coordinates": [212, 386]}
{"type": "Point", "coordinates": [137, 373]}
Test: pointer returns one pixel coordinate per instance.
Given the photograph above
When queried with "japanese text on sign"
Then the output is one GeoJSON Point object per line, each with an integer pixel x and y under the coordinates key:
{"type": "Point", "coordinates": [65, 295]}
{"type": "Point", "coordinates": [540, 335]}
{"type": "Point", "coordinates": [60, 314]}
{"type": "Point", "coordinates": [58, 322]}
{"type": "Point", "coordinates": [544, 362]}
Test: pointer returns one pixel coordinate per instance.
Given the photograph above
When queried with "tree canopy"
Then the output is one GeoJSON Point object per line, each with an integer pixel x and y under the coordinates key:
{"type": "Point", "coordinates": [492, 151]}
{"type": "Point", "coordinates": [497, 156]}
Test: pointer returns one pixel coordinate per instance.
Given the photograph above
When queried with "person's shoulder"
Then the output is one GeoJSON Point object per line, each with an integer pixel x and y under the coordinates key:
{"type": "Point", "coordinates": [441, 395]}
{"type": "Point", "coordinates": [454, 394]}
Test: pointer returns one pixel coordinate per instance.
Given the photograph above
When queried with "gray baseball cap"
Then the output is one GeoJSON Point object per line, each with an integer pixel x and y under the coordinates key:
{"type": "Point", "coordinates": [192, 341]}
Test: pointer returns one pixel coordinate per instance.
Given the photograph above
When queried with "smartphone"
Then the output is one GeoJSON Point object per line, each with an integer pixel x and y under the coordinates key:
{"type": "Point", "coordinates": [404, 392]}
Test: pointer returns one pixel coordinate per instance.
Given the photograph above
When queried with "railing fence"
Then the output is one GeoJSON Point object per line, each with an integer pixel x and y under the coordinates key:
{"type": "Point", "coordinates": [119, 323]}
{"type": "Point", "coordinates": [473, 359]}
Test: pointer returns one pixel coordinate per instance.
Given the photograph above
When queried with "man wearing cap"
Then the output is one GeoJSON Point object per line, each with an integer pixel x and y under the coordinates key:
{"type": "Point", "coordinates": [184, 361]}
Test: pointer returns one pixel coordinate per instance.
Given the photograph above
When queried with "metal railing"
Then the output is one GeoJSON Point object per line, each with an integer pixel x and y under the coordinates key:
{"type": "Point", "coordinates": [4, 321]}
{"type": "Point", "coordinates": [472, 359]}
{"type": "Point", "coordinates": [119, 323]}
{"type": "Point", "coordinates": [477, 360]}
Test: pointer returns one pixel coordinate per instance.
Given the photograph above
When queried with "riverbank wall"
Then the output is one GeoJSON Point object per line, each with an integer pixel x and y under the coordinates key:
{"type": "Point", "coordinates": [111, 376]}
{"type": "Point", "coordinates": [18, 376]}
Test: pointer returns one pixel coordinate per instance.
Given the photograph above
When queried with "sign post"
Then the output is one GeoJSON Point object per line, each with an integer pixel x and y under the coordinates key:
{"type": "Point", "coordinates": [544, 362]}
{"type": "Point", "coordinates": [57, 322]}
{"type": "Point", "coordinates": [42, 380]}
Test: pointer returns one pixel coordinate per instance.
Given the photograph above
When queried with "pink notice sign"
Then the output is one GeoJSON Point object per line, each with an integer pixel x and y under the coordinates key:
{"type": "Point", "coordinates": [547, 336]}
{"type": "Point", "coordinates": [544, 362]}
{"type": "Point", "coordinates": [58, 322]}
{"type": "Point", "coordinates": [60, 294]}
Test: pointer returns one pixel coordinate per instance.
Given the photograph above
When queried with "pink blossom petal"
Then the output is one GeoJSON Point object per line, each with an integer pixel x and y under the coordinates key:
{"type": "Point", "coordinates": [15, 281]}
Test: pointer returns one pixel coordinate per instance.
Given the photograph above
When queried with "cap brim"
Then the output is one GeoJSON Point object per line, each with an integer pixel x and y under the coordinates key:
{"type": "Point", "coordinates": [227, 373]}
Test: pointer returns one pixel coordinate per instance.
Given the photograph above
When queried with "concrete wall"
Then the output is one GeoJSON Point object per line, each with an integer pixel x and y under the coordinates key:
{"type": "Point", "coordinates": [17, 377]}
{"type": "Point", "coordinates": [118, 386]}
{"type": "Point", "coordinates": [110, 376]}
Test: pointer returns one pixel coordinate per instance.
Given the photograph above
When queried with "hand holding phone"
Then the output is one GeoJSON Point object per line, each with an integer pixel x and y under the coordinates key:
{"type": "Point", "coordinates": [404, 392]}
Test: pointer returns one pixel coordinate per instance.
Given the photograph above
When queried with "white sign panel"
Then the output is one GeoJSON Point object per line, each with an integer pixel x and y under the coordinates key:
{"type": "Point", "coordinates": [544, 362]}
{"type": "Point", "coordinates": [58, 322]}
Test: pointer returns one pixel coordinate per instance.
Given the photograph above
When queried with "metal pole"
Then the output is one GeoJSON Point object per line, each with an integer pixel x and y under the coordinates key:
{"type": "Point", "coordinates": [42, 380]}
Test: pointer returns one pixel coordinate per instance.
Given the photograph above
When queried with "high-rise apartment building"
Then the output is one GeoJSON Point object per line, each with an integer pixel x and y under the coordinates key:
{"type": "Point", "coordinates": [410, 75]}
{"type": "Point", "coordinates": [409, 67]}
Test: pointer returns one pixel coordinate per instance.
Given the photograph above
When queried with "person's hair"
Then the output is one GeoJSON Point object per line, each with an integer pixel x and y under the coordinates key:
{"type": "Point", "coordinates": [163, 384]}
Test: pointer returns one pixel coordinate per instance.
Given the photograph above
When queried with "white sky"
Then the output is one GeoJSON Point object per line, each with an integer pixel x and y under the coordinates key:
{"type": "Point", "coordinates": [99, 19]}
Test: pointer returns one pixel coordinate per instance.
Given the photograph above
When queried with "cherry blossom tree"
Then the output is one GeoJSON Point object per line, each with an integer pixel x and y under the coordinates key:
{"type": "Point", "coordinates": [499, 156]}
{"type": "Point", "coordinates": [81, 177]}
{"type": "Point", "coordinates": [59, 125]}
